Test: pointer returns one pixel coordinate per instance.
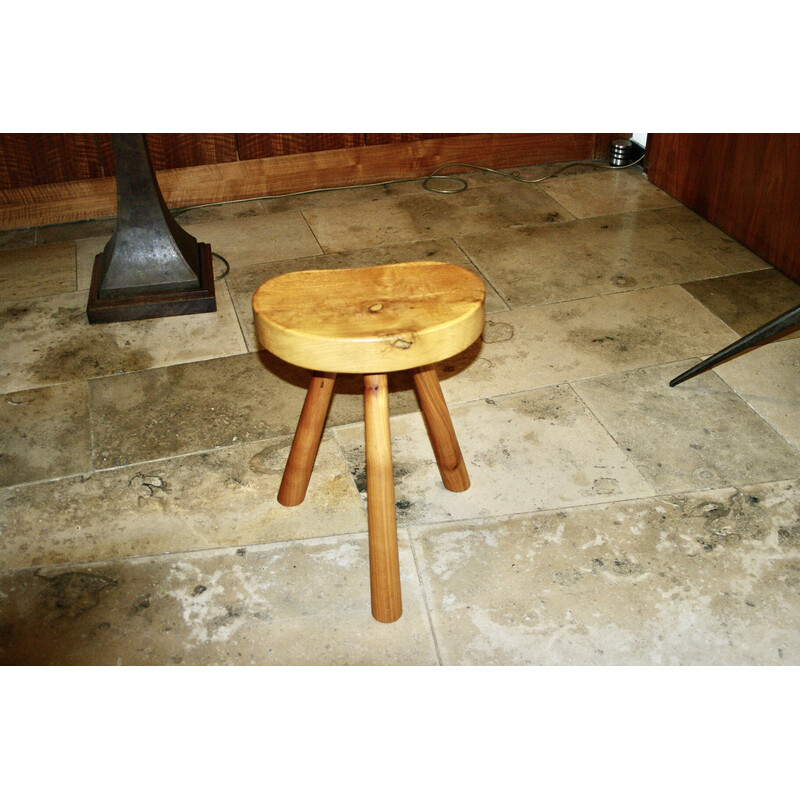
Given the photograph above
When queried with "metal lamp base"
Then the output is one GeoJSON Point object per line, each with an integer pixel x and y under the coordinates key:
{"type": "Point", "coordinates": [153, 304]}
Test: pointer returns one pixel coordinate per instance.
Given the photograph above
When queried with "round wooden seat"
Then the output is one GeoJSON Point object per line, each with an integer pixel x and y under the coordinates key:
{"type": "Point", "coordinates": [370, 319]}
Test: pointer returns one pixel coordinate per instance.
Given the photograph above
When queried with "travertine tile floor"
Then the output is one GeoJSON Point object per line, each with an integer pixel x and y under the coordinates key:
{"type": "Point", "coordinates": [611, 519]}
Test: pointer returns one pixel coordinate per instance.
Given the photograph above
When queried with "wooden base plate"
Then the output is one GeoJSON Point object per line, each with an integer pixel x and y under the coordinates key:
{"type": "Point", "coordinates": [153, 304]}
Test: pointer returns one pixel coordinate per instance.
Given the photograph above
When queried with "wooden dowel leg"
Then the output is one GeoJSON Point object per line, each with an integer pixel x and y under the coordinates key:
{"type": "Point", "coordinates": [440, 430]}
{"type": "Point", "coordinates": [384, 564]}
{"type": "Point", "coordinates": [300, 463]}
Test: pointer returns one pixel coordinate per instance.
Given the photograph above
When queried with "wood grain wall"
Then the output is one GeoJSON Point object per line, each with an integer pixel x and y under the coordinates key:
{"type": "Point", "coordinates": [747, 184]}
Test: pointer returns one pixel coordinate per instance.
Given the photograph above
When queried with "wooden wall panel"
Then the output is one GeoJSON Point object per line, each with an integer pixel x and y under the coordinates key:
{"type": "Point", "coordinates": [32, 159]}
{"type": "Point", "coordinates": [744, 183]}
{"type": "Point", "coordinates": [393, 138]}
{"type": "Point", "coordinates": [176, 150]}
{"type": "Point", "coordinates": [267, 145]}
{"type": "Point", "coordinates": [16, 165]}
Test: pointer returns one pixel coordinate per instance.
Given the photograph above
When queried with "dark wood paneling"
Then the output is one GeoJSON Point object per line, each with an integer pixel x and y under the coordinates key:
{"type": "Point", "coordinates": [176, 150]}
{"type": "Point", "coordinates": [16, 166]}
{"type": "Point", "coordinates": [267, 145]}
{"type": "Point", "coordinates": [31, 159]}
{"type": "Point", "coordinates": [744, 183]}
{"type": "Point", "coordinates": [394, 138]}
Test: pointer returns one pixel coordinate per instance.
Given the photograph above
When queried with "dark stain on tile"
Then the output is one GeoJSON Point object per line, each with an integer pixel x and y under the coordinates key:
{"type": "Point", "coordinates": [789, 536]}
{"type": "Point", "coordinates": [359, 475]}
{"type": "Point", "coordinates": [231, 614]}
{"type": "Point", "coordinates": [12, 313]}
{"type": "Point", "coordinates": [141, 603]}
{"type": "Point", "coordinates": [78, 359]}
{"type": "Point", "coordinates": [148, 485]}
{"type": "Point", "coordinates": [547, 405]}
{"type": "Point", "coordinates": [74, 593]}
{"type": "Point", "coordinates": [731, 521]}
{"type": "Point", "coordinates": [358, 472]}
{"type": "Point", "coordinates": [621, 340]}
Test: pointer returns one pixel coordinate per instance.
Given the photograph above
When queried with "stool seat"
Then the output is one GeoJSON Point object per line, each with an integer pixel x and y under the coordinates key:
{"type": "Point", "coordinates": [370, 319]}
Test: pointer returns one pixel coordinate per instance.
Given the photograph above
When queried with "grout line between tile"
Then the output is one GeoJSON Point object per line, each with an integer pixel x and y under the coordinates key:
{"type": "Point", "coordinates": [323, 251]}
{"type": "Point", "coordinates": [608, 433]}
{"type": "Point", "coordinates": [239, 321]}
{"type": "Point", "coordinates": [425, 601]}
{"type": "Point", "coordinates": [483, 275]}
{"type": "Point", "coordinates": [795, 447]}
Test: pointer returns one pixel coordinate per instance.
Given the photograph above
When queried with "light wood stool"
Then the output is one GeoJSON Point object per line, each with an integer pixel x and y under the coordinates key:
{"type": "Point", "coordinates": [371, 321]}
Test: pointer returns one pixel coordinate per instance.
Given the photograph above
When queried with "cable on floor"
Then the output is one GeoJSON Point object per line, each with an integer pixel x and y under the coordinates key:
{"type": "Point", "coordinates": [224, 271]}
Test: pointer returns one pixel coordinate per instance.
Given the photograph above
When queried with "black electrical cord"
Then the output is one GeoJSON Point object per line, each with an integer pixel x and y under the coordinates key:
{"type": "Point", "coordinates": [227, 267]}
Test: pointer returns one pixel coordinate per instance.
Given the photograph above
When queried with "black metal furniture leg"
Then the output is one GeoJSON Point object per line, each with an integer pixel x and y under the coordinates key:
{"type": "Point", "coordinates": [787, 320]}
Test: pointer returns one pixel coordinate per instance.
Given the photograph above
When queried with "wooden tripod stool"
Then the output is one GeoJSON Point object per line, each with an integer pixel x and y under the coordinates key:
{"type": "Point", "coordinates": [371, 321]}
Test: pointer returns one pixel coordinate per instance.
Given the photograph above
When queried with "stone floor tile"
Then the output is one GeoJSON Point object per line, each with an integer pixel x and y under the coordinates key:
{"type": "Point", "coordinates": [524, 452]}
{"type": "Point", "coordinates": [244, 282]}
{"type": "Point", "coordinates": [224, 498]}
{"type": "Point", "coordinates": [256, 239]}
{"type": "Point", "coordinates": [598, 192]}
{"type": "Point", "coordinates": [748, 300]}
{"type": "Point", "coordinates": [45, 433]}
{"type": "Point", "coordinates": [35, 271]}
{"type": "Point", "coordinates": [544, 345]}
{"type": "Point", "coordinates": [421, 217]}
{"type": "Point", "coordinates": [279, 604]}
{"type": "Point", "coordinates": [86, 250]}
{"type": "Point", "coordinates": [694, 579]}
{"type": "Point", "coordinates": [191, 215]}
{"type": "Point", "coordinates": [50, 341]}
{"type": "Point", "coordinates": [587, 258]}
{"type": "Point", "coordinates": [158, 413]}
{"type": "Point", "coordinates": [696, 435]}
{"type": "Point", "coordinates": [19, 237]}
{"type": "Point", "coordinates": [72, 231]}
{"type": "Point", "coordinates": [732, 254]}
{"type": "Point", "coordinates": [768, 378]}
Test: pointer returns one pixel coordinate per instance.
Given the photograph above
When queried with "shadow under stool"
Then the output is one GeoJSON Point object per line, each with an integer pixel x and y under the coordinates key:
{"type": "Point", "coordinates": [372, 321]}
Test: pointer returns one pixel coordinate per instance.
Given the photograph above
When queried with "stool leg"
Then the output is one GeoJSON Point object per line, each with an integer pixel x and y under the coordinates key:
{"type": "Point", "coordinates": [440, 430]}
{"type": "Point", "coordinates": [300, 463]}
{"type": "Point", "coordinates": [384, 565]}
